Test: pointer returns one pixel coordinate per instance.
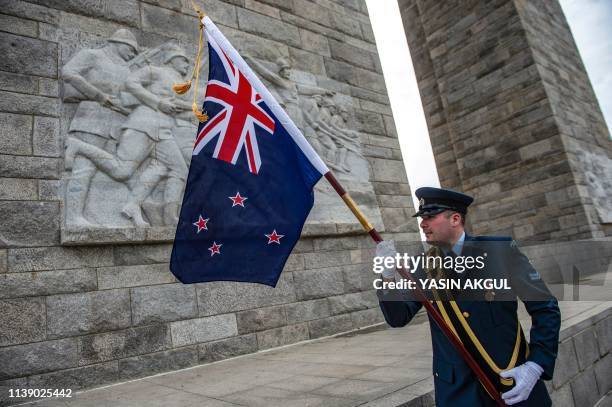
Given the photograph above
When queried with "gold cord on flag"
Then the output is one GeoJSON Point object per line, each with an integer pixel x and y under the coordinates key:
{"type": "Point", "coordinates": [181, 88]}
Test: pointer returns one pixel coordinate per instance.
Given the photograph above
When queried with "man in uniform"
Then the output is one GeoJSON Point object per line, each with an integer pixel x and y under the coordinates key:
{"type": "Point", "coordinates": [94, 77]}
{"type": "Point", "coordinates": [488, 328]}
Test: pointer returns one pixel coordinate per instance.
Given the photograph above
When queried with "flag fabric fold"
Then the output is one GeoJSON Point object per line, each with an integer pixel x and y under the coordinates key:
{"type": "Point", "coordinates": [250, 183]}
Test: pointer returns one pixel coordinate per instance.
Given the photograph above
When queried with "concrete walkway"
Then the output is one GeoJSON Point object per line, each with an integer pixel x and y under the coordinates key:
{"type": "Point", "coordinates": [374, 367]}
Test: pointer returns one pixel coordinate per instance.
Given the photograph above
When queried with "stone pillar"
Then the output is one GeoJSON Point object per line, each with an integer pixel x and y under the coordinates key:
{"type": "Point", "coordinates": [512, 116]}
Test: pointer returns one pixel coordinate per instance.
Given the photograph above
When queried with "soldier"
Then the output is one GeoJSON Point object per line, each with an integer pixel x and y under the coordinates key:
{"type": "Point", "coordinates": [488, 329]}
{"type": "Point", "coordinates": [94, 77]}
{"type": "Point", "coordinates": [148, 133]}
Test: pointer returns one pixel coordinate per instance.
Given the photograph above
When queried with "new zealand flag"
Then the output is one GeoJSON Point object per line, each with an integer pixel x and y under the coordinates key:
{"type": "Point", "coordinates": [250, 184]}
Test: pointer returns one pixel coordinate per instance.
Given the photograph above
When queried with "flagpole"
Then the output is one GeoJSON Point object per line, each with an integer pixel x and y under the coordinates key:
{"type": "Point", "coordinates": [469, 359]}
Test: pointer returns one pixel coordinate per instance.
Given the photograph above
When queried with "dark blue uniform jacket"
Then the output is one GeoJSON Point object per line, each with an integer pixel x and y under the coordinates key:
{"type": "Point", "coordinates": [494, 323]}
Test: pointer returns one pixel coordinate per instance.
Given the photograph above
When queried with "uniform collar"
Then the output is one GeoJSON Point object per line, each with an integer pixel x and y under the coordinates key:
{"type": "Point", "coordinates": [458, 247]}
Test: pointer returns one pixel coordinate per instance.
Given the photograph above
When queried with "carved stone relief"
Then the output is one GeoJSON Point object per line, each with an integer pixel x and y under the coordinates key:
{"type": "Point", "coordinates": [128, 141]}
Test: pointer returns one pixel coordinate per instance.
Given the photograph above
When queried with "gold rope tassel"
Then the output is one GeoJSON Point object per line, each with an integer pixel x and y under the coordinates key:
{"type": "Point", "coordinates": [183, 87]}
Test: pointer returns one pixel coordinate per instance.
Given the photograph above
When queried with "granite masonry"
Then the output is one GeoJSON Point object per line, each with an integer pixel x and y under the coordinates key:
{"type": "Point", "coordinates": [512, 116]}
{"type": "Point", "coordinates": [85, 306]}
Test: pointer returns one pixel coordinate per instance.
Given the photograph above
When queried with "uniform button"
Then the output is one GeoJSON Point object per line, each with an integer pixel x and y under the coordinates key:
{"type": "Point", "coordinates": [436, 375]}
{"type": "Point", "coordinates": [466, 314]}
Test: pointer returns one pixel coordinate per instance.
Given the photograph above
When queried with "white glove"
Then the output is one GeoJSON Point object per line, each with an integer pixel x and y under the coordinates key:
{"type": "Point", "coordinates": [525, 377]}
{"type": "Point", "coordinates": [386, 248]}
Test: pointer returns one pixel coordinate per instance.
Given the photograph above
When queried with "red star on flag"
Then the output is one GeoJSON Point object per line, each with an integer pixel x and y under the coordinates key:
{"type": "Point", "coordinates": [237, 200]}
{"type": "Point", "coordinates": [274, 237]}
{"type": "Point", "coordinates": [215, 249]}
{"type": "Point", "coordinates": [201, 224]}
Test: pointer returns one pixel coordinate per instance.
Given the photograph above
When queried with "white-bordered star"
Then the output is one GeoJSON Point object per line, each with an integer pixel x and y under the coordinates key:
{"type": "Point", "coordinates": [238, 199]}
{"type": "Point", "coordinates": [201, 224]}
{"type": "Point", "coordinates": [215, 249]}
{"type": "Point", "coordinates": [274, 237]}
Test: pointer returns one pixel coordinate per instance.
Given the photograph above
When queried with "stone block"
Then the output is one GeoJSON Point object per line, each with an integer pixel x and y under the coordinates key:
{"type": "Point", "coordinates": [227, 348]}
{"type": "Point", "coordinates": [362, 78]}
{"type": "Point", "coordinates": [28, 56]}
{"type": "Point", "coordinates": [221, 297]}
{"type": "Point", "coordinates": [48, 87]}
{"type": "Point", "coordinates": [330, 326]}
{"type": "Point", "coordinates": [77, 378]}
{"type": "Point", "coordinates": [28, 223]}
{"type": "Point", "coordinates": [22, 320]}
{"type": "Point", "coordinates": [120, 11]}
{"type": "Point", "coordinates": [3, 261]}
{"type": "Point", "coordinates": [260, 319]}
{"type": "Point", "coordinates": [294, 262]}
{"type": "Point", "coordinates": [369, 122]}
{"type": "Point", "coordinates": [353, 55]}
{"type": "Point", "coordinates": [50, 190]}
{"type": "Point", "coordinates": [320, 283]}
{"type": "Point", "coordinates": [388, 170]}
{"type": "Point", "coordinates": [46, 138]}
{"type": "Point", "coordinates": [133, 276]}
{"type": "Point", "coordinates": [6, 385]}
{"type": "Point", "coordinates": [358, 277]}
{"type": "Point", "coordinates": [18, 83]}
{"type": "Point", "coordinates": [314, 42]}
{"type": "Point", "coordinates": [602, 369]}
{"type": "Point", "coordinates": [603, 330]}
{"type": "Point", "coordinates": [268, 27]}
{"type": "Point", "coordinates": [262, 8]}
{"type": "Point", "coordinates": [307, 61]}
{"type": "Point", "coordinates": [146, 365]}
{"type": "Point", "coordinates": [167, 302]}
{"type": "Point", "coordinates": [562, 397]}
{"type": "Point", "coordinates": [29, 167]}
{"type": "Point", "coordinates": [566, 364]}
{"type": "Point", "coordinates": [30, 11]}
{"type": "Point", "coordinates": [75, 314]}
{"type": "Point", "coordinates": [28, 104]}
{"type": "Point", "coordinates": [399, 220]}
{"type": "Point", "coordinates": [106, 346]}
{"type": "Point", "coordinates": [352, 302]}
{"type": "Point", "coordinates": [281, 4]}
{"type": "Point", "coordinates": [16, 134]}
{"type": "Point", "coordinates": [392, 188]}
{"type": "Point", "coordinates": [47, 283]}
{"type": "Point", "coordinates": [19, 26]}
{"type": "Point", "coordinates": [318, 260]}
{"type": "Point", "coordinates": [17, 189]}
{"type": "Point", "coordinates": [345, 24]}
{"type": "Point", "coordinates": [312, 12]}
{"type": "Point", "coordinates": [584, 388]}
{"type": "Point", "coordinates": [54, 258]}
{"type": "Point", "coordinates": [307, 310]}
{"type": "Point", "coordinates": [168, 22]}
{"type": "Point", "coordinates": [367, 317]}
{"type": "Point", "coordinates": [149, 254]}
{"type": "Point", "coordinates": [205, 329]}
{"type": "Point", "coordinates": [39, 357]}
{"type": "Point", "coordinates": [586, 348]}
{"type": "Point", "coordinates": [282, 336]}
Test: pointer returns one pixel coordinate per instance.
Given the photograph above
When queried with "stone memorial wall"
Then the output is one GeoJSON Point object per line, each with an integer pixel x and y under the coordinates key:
{"type": "Point", "coordinates": [94, 151]}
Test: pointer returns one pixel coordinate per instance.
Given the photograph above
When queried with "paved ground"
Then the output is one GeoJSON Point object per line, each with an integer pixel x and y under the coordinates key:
{"type": "Point", "coordinates": [375, 367]}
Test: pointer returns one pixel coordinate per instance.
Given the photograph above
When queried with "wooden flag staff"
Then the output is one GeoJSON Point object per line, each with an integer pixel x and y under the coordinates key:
{"type": "Point", "coordinates": [482, 377]}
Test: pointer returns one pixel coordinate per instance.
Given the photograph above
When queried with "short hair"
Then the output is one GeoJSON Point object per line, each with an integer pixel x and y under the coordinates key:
{"type": "Point", "coordinates": [462, 215]}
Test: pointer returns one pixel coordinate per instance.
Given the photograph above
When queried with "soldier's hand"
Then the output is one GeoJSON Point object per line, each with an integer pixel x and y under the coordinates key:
{"type": "Point", "coordinates": [525, 377]}
{"type": "Point", "coordinates": [386, 248]}
{"type": "Point", "coordinates": [168, 106]}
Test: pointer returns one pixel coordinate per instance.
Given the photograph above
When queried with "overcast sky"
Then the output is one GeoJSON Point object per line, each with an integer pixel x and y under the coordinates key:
{"type": "Point", "coordinates": [589, 20]}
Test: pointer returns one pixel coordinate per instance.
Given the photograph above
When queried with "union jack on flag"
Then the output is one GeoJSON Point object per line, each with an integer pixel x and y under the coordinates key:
{"type": "Point", "coordinates": [250, 183]}
{"type": "Point", "coordinates": [233, 127]}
